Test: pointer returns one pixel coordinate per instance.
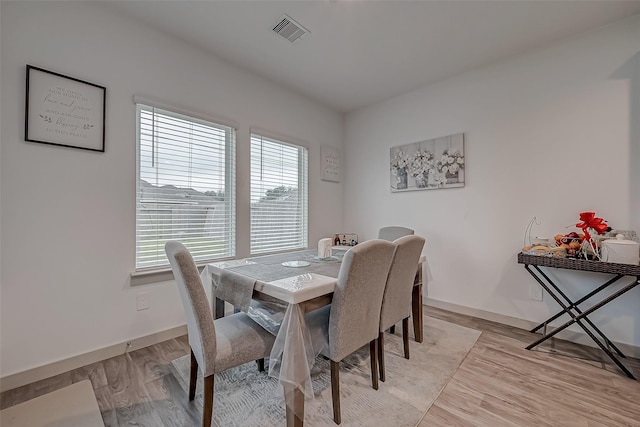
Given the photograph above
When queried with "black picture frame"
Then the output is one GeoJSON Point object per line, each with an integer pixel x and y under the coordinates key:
{"type": "Point", "coordinates": [64, 111]}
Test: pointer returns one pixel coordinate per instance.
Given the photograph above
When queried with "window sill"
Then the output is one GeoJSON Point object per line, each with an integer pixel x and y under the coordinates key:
{"type": "Point", "coordinates": [151, 276]}
{"type": "Point", "coordinates": [146, 277]}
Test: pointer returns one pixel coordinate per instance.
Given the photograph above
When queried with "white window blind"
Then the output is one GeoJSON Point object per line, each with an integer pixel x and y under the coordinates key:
{"type": "Point", "coordinates": [278, 195]}
{"type": "Point", "coordinates": [185, 187]}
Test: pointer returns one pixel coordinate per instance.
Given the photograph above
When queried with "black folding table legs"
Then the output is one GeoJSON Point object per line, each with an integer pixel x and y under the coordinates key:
{"type": "Point", "coordinates": [578, 316]}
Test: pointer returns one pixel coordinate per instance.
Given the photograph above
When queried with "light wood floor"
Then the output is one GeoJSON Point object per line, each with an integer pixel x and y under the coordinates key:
{"type": "Point", "coordinates": [498, 384]}
{"type": "Point", "coordinates": [558, 384]}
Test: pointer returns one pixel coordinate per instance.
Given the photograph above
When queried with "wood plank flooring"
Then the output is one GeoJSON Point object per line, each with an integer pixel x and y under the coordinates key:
{"type": "Point", "coordinates": [557, 384]}
{"type": "Point", "coordinates": [498, 384]}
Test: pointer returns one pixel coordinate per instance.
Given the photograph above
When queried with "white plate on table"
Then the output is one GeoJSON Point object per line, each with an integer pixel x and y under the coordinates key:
{"type": "Point", "coordinates": [296, 264]}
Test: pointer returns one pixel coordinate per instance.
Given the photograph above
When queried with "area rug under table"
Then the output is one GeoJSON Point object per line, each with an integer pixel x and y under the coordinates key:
{"type": "Point", "coordinates": [72, 406]}
{"type": "Point", "coordinates": [245, 397]}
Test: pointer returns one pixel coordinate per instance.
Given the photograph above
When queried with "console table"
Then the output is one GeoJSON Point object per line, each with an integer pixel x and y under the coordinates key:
{"type": "Point", "coordinates": [532, 264]}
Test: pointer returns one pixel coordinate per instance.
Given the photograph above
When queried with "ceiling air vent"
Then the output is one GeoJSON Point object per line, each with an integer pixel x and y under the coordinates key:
{"type": "Point", "coordinates": [289, 29]}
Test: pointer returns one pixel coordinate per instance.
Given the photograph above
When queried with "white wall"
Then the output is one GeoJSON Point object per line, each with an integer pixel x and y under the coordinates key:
{"type": "Point", "coordinates": [548, 134]}
{"type": "Point", "coordinates": [68, 216]}
{"type": "Point", "coordinates": [0, 164]}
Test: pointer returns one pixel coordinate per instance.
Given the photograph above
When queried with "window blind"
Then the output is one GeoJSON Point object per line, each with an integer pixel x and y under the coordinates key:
{"type": "Point", "coordinates": [279, 181]}
{"type": "Point", "coordinates": [185, 187]}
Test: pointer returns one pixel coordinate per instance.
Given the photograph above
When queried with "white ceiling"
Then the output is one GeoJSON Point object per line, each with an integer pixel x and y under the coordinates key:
{"type": "Point", "coordinates": [362, 52]}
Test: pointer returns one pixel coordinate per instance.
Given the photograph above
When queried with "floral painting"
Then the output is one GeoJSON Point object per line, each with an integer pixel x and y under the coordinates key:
{"type": "Point", "coordinates": [427, 165]}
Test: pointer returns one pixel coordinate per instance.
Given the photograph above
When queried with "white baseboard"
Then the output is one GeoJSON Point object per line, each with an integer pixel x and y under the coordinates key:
{"type": "Point", "coordinates": [573, 336]}
{"type": "Point", "coordinates": [42, 372]}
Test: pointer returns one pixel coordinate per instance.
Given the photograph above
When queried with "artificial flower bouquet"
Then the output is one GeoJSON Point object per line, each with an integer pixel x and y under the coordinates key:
{"type": "Point", "coordinates": [573, 244]}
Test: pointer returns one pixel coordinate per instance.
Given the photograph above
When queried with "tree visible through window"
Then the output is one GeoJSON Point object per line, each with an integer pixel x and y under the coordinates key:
{"type": "Point", "coordinates": [185, 187]}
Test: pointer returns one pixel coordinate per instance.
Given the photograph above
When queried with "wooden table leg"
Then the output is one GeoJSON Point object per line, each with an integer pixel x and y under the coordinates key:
{"type": "Point", "coordinates": [219, 308]}
{"type": "Point", "coordinates": [294, 399]}
{"type": "Point", "coordinates": [416, 312]}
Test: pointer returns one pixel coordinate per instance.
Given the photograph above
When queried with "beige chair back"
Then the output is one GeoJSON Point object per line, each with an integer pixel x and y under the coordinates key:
{"type": "Point", "coordinates": [396, 303]}
{"type": "Point", "coordinates": [200, 326]}
{"type": "Point", "coordinates": [355, 308]}
{"type": "Point", "coordinates": [394, 232]}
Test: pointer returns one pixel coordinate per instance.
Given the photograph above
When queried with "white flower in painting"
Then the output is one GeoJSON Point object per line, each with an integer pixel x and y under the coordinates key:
{"type": "Point", "coordinates": [400, 159]}
{"type": "Point", "coordinates": [450, 162]}
{"type": "Point", "coordinates": [421, 162]}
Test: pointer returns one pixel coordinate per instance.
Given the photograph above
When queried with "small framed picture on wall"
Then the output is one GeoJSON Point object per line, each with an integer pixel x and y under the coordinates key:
{"type": "Point", "coordinates": [330, 167]}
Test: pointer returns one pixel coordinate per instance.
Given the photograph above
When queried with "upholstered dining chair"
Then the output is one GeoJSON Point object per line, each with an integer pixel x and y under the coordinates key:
{"type": "Point", "coordinates": [396, 301]}
{"type": "Point", "coordinates": [352, 319]}
{"type": "Point", "coordinates": [215, 345]}
{"type": "Point", "coordinates": [394, 232]}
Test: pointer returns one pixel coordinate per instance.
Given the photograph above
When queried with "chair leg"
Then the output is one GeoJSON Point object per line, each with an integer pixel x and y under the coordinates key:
{"type": "Point", "coordinates": [207, 410]}
{"type": "Point", "coordinates": [335, 390]}
{"type": "Point", "coordinates": [405, 336]}
{"type": "Point", "coordinates": [392, 329]}
{"type": "Point", "coordinates": [260, 364]}
{"type": "Point", "coordinates": [381, 355]}
{"type": "Point", "coordinates": [373, 355]}
{"type": "Point", "coordinates": [193, 375]}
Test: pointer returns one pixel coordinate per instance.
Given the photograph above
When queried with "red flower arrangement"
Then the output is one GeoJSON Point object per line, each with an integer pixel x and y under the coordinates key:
{"type": "Point", "coordinates": [590, 221]}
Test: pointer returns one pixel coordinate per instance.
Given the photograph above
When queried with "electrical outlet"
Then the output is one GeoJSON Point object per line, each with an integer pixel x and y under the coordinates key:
{"type": "Point", "coordinates": [535, 292]}
{"type": "Point", "coordinates": [142, 301]}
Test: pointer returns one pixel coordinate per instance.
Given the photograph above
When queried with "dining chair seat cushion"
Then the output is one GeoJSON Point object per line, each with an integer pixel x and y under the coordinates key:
{"type": "Point", "coordinates": [240, 340]}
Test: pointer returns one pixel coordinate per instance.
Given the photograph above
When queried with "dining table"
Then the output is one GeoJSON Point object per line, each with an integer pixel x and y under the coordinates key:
{"type": "Point", "coordinates": [285, 287]}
